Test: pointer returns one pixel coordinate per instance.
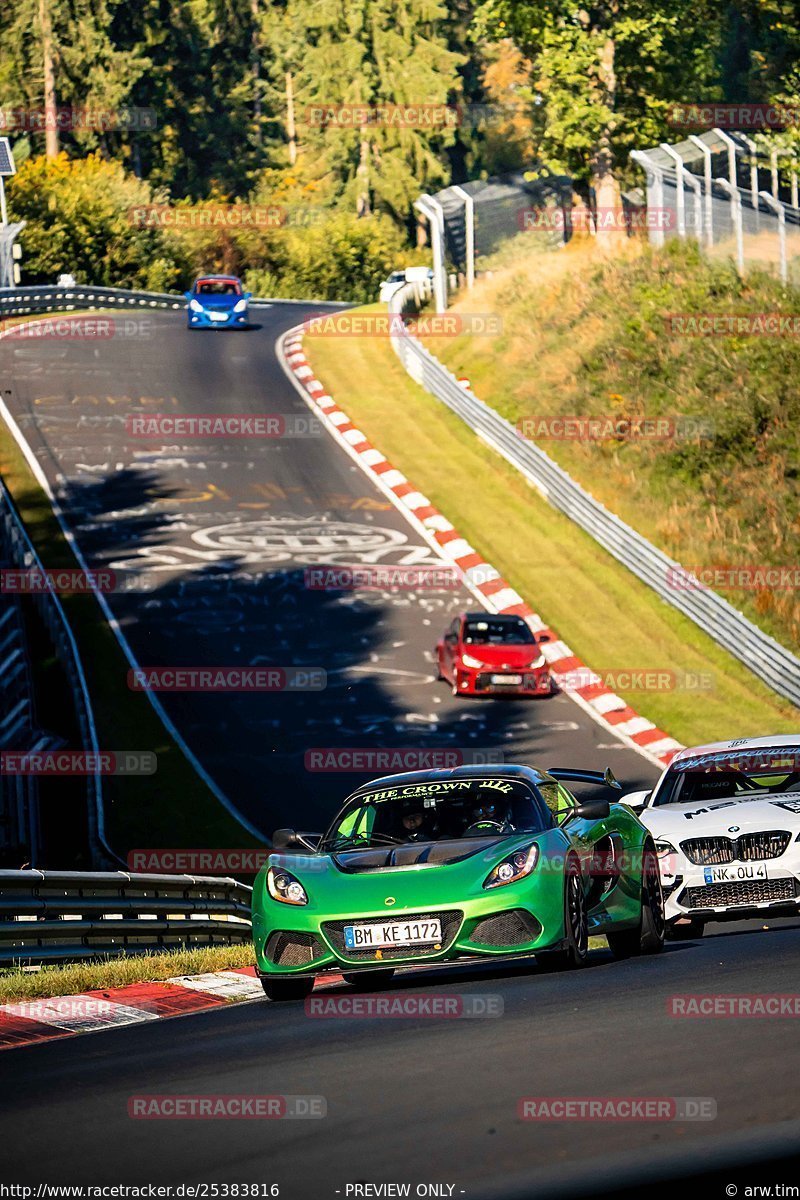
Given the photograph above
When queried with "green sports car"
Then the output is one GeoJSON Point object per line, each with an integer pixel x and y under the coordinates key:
{"type": "Point", "coordinates": [452, 866]}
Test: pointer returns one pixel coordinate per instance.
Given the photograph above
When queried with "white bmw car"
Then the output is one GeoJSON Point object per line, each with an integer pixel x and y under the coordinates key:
{"type": "Point", "coordinates": [726, 822]}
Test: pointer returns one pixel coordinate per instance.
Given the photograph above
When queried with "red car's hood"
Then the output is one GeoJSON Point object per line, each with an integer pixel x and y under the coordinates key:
{"type": "Point", "coordinates": [504, 656]}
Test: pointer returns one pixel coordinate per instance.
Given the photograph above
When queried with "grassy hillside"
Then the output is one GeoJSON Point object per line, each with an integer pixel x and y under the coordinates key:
{"type": "Point", "coordinates": [606, 615]}
{"type": "Point", "coordinates": [587, 337]}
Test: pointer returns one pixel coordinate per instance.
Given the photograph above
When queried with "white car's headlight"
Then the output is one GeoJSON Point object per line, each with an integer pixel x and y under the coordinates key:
{"type": "Point", "coordinates": [241, 306]}
{"type": "Point", "coordinates": [469, 661]}
{"type": "Point", "coordinates": [516, 866]}
{"type": "Point", "coordinates": [282, 885]}
{"type": "Point", "coordinates": [667, 861]}
{"type": "Point", "coordinates": [195, 306]}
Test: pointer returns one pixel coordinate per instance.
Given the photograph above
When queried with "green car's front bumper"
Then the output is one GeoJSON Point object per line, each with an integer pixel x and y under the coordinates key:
{"type": "Point", "coordinates": [520, 918]}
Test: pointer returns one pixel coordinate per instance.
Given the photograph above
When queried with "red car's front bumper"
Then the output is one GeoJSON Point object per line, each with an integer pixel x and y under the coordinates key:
{"type": "Point", "coordinates": [484, 681]}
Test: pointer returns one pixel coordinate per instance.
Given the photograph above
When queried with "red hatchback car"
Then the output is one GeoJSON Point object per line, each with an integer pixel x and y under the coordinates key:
{"type": "Point", "coordinates": [486, 655]}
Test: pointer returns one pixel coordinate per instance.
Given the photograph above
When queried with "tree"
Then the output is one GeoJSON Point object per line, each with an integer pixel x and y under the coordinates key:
{"type": "Point", "coordinates": [606, 75]}
{"type": "Point", "coordinates": [372, 54]}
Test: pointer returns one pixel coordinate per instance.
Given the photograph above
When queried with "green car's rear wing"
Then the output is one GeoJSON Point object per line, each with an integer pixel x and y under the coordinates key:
{"type": "Point", "coordinates": [601, 779]}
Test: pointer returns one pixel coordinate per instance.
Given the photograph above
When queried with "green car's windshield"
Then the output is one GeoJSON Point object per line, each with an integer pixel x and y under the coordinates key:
{"type": "Point", "coordinates": [437, 810]}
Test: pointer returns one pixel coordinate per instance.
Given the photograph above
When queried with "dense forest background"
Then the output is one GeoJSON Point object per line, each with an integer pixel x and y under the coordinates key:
{"type": "Point", "coordinates": [220, 95]}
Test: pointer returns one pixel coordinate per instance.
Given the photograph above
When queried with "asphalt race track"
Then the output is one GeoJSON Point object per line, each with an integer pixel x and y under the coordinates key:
{"type": "Point", "coordinates": [428, 1100]}
{"type": "Point", "coordinates": [215, 536]}
{"type": "Point", "coordinates": [218, 534]}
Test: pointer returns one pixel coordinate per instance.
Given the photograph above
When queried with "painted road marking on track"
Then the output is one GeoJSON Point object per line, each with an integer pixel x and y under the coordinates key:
{"type": "Point", "coordinates": [494, 592]}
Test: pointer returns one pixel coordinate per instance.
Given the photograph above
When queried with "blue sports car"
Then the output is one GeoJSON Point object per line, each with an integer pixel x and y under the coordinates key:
{"type": "Point", "coordinates": [217, 302]}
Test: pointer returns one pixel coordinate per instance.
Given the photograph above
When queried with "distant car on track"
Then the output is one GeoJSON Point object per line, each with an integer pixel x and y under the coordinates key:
{"type": "Point", "coordinates": [726, 823]}
{"type": "Point", "coordinates": [461, 865]}
{"type": "Point", "coordinates": [217, 302]}
{"type": "Point", "coordinates": [490, 655]}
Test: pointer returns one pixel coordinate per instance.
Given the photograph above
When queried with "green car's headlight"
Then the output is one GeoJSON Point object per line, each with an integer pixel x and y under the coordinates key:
{"type": "Point", "coordinates": [284, 886]}
{"type": "Point", "coordinates": [516, 866]}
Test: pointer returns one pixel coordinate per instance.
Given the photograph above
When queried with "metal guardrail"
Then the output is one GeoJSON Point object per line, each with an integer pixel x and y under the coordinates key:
{"type": "Point", "coordinates": [48, 916]}
{"type": "Point", "coordinates": [19, 549]}
{"type": "Point", "coordinates": [15, 302]}
{"type": "Point", "coordinates": [767, 658]}
{"type": "Point", "coordinates": [44, 298]}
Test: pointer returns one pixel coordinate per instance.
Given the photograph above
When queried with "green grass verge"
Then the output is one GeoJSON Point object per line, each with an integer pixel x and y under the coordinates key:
{"type": "Point", "coordinates": [119, 972]}
{"type": "Point", "coordinates": [606, 615]}
{"type": "Point", "coordinates": [590, 337]}
{"type": "Point", "coordinates": [173, 807]}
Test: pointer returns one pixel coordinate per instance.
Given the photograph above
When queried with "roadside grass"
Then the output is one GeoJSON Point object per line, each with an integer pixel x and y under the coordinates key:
{"type": "Point", "coordinates": [587, 336]}
{"type": "Point", "coordinates": [17, 984]}
{"type": "Point", "coordinates": [605, 614]}
{"type": "Point", "coordinates": [172, 808]}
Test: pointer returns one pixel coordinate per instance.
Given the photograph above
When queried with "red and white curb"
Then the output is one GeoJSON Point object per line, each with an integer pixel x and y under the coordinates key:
{"type": "Point", "coordinates": [482, 579]}
{"type": "Point", "coordinates": [30, 1021]}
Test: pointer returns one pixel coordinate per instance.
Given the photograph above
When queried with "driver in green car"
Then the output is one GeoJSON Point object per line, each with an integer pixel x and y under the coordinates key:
{"type": "Point", "coordinates": [413, 824]}
{"type": "Point", "coordinates": [488, 814]}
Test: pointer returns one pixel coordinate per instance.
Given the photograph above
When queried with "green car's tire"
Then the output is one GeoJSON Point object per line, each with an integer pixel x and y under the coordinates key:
{"type": "Point", "coordinates": [576, 926]}
{"type": "Point", "coordinates": [688, 932]}
{"type": "Point", "coordinates": [648, 936]}
{"type": "Point", "coordinates": [287, 989]}
{"type": "Point", "coordinates": [365, 981]}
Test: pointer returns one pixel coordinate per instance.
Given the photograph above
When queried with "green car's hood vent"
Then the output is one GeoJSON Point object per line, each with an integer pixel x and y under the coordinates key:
{"type": "Point", "coordinates": [415, 854]}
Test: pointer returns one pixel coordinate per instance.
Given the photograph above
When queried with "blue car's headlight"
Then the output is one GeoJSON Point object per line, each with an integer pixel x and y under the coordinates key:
{"type": "Point", "coordinates": [195, 306]}
{"type": "Point", "coordinates": [240, 307]}
{"type": "Point", "coordinates": [282, 885]}
{"type": "Point", "coordinates": [516, 866]}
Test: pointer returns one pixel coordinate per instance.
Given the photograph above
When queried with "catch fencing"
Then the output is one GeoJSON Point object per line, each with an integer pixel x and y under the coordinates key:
{"type": "Point", "coordinates": [66, 916]}
{"type": "Point", "coordinates": [770, 661]}
{"type": "Point", "coordinates": [735, 195]}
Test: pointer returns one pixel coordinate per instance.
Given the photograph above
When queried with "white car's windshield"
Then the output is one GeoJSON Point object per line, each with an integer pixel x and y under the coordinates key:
{"type": "Point", "coordinates": [739, 775]}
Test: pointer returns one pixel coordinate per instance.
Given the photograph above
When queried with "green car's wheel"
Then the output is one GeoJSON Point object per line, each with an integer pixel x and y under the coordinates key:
{"type": "Point", "coordinates": [648, 936]}
{"type": "Point", "coordinates": [687, 932]}
{"type": "Point", "coordinates": [287, 989]}
{"type": "Point", "coordinates": [576, 927]}
{"type": "Point", "coordinates": [365, 981]}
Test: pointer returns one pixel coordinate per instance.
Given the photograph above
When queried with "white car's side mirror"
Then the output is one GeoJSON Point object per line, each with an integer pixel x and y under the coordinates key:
{"type": "Point", "coordinates": [636, 800]}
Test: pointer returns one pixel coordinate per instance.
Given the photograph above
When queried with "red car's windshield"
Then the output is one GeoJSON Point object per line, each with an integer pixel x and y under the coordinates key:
{"type": "Point", "coordinates": [498, 631]}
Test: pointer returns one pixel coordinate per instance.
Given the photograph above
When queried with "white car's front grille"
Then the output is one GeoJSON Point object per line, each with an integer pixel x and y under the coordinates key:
{"type": "Point", "coordinates": [750, 847]}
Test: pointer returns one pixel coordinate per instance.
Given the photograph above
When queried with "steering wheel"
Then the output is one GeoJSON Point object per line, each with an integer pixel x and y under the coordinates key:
{"type": "Point", "coordinates": [479, 826]}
